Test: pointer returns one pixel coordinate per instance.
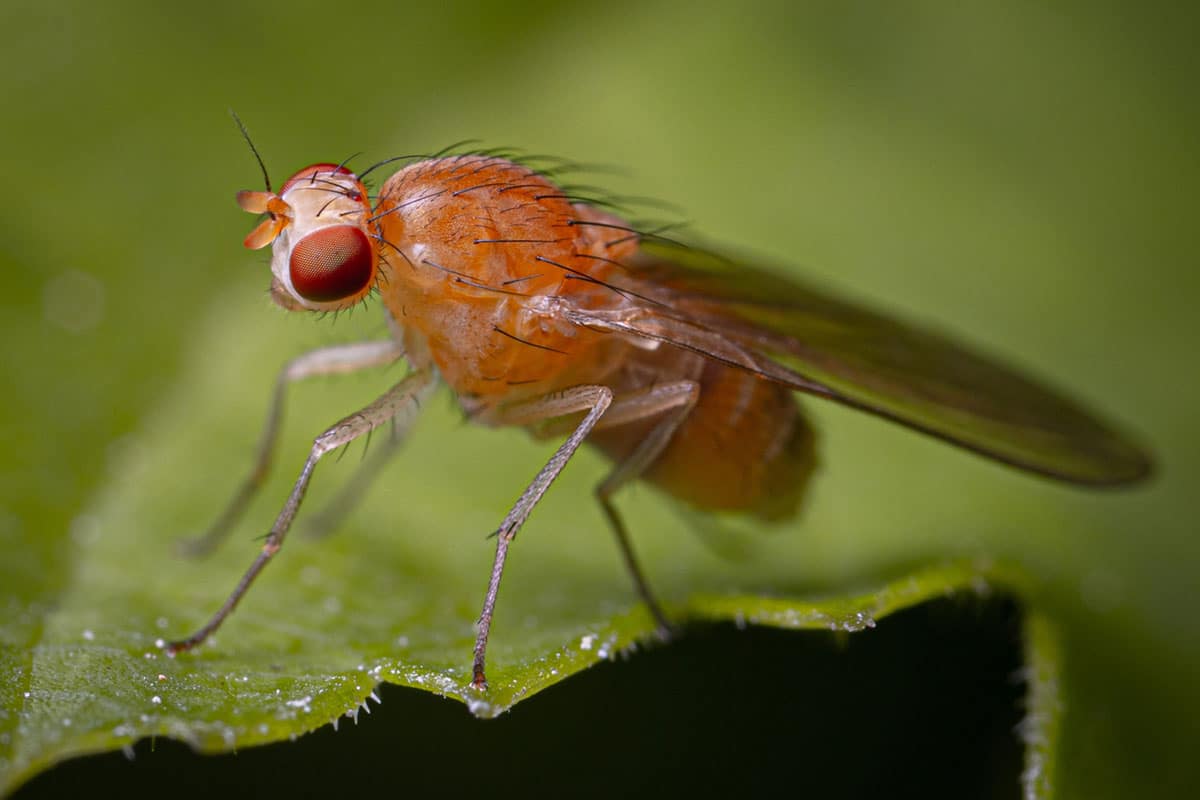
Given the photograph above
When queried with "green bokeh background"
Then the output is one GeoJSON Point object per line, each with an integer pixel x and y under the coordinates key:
{"type": "Point", "coordinates": [1020, 174]}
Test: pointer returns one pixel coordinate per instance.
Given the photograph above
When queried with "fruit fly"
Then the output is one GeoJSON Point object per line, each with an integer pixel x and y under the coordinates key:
{"type": "Point", "coordinates": [548, 312]}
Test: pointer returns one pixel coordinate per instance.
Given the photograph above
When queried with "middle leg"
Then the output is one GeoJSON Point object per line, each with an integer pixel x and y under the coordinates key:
{"type": "Point", "coordinates": [677, 399]}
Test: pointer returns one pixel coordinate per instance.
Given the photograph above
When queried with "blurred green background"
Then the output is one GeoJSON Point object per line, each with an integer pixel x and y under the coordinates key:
{"type": "Point", "coordinates": [1023, 175]}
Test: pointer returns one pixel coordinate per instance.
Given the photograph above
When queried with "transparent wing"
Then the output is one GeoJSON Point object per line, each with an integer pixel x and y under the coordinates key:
{"type": "Point", "coordinates": [803, 338]}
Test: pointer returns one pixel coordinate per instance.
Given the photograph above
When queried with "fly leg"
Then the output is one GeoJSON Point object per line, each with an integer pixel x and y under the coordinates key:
{"type": "Point", "coordinates": [679, 398]}
{"type": "Point", "coordinates": [392, 403]}
{"type": "Point", "coordinates": [326, 520]}
{"type": "Point", "coordinates": [674, 401]}
{"type": "Point", "coordinates": [324, 361]}
{"type": "Point", "coordinates": [592, 399]}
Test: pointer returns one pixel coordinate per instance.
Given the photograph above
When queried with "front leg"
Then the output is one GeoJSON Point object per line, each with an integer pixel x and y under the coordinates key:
{"type": "Point", "coordinates": [335, 360]}
{"type": "Point", "coordinates": [392, 403]}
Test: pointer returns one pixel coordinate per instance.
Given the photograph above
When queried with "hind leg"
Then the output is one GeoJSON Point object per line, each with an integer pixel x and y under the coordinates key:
{"type": "Point", "coordinates": [674, 402]}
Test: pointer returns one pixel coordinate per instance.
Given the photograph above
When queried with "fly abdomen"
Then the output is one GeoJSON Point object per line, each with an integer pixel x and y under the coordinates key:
{"type": "Point", "coordinates": [745, 447]}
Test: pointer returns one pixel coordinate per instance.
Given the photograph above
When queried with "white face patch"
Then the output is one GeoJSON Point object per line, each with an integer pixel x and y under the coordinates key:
{"type": "Point", "coordinates": [281, 259]}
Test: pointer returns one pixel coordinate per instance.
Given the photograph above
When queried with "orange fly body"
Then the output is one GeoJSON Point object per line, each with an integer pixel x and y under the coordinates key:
{"type": "Point", "coordinates": [545, 312]}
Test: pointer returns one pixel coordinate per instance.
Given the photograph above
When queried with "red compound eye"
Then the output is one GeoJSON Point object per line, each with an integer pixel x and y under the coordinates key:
{"type": "Point", "coordinates": [331, 264]}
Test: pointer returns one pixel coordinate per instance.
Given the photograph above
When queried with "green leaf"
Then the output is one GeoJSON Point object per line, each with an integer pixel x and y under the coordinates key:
{"type": "Point", "coordinates": [391, 598]}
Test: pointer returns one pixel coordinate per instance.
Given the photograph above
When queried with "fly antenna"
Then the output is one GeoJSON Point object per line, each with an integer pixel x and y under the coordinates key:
{"type": "Point", "coordinates": [253, 149]}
